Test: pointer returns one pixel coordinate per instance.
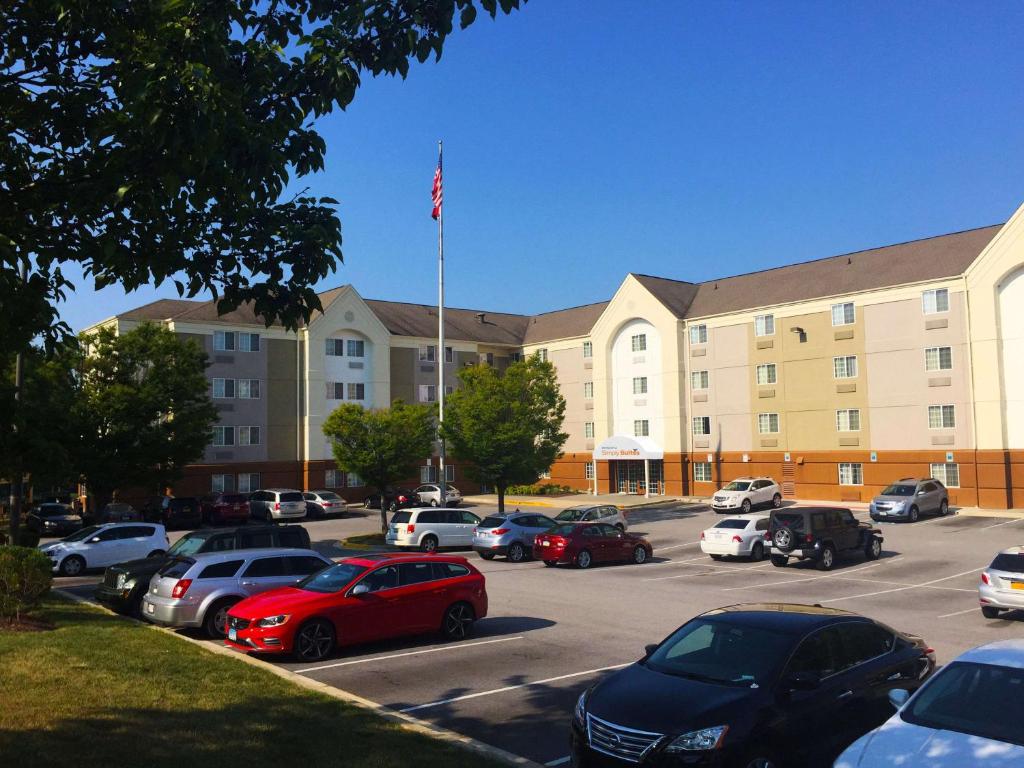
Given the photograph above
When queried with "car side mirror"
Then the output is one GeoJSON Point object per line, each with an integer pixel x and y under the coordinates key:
{"type": "Point", "coordinates": [921, 493]}
{"type": "Point", "coordinates": [898, 697]}
{"type": "Point", "coordinates": [359, 589]}
{"type": "Point", "coordinates": [649, 649]}
{"type": "Point", "coordinates": [803, 681]}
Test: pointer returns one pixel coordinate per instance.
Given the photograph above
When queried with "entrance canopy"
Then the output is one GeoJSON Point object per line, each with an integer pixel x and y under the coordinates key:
{"type": "Point", "coordinates": [621, 447]}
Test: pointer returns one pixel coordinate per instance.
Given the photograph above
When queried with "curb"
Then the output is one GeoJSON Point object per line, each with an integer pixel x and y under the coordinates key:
{"type": "Point", "coordinates": [1012, 514]}
{"type": "Point", "coordinates": [406, 722]}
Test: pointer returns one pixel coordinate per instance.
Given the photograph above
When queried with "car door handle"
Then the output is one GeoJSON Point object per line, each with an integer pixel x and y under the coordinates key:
{"type": "Point", "coordinates": [248, 583]}
{"type": "Point", "coordinates": [895, 676]}
{"type": "Point", "coordinates": [844, 695]}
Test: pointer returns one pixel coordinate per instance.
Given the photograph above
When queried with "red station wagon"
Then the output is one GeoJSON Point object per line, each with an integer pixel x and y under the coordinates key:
{"type": "Point", "coordinates": [359, 600]}
{"type": "Point", "coordinates": [583, 544]}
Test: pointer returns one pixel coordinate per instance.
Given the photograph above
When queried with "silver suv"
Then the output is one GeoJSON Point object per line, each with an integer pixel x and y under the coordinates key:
{"type": "Point", "coordinates": [198, 590]}
{"type": "Point", "coordinates": [277, 504]}
{"type": "Point", "coordinates": [510, 534]}
{"type": "Point", "coordinates": [909, 498]}
{"type": "Point", "coordinates": [593, 513]}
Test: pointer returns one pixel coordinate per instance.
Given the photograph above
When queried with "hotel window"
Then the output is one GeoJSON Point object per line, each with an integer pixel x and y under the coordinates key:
{"type": "Point", "coordinates": [248, 482]}
{"type": "Point", "coordinates": [428, 474]}
{"type": "Point", "coordinates": [698, 334]}
{"type": "Point", "coordinates": [639, 342]}
{"type": "Point", "coordinates": [223, 341]}
{"type": "Point", "coordinates": [589, 472]}
{"type": "Point", "coordinates": [249, 342]}
{"type": "Point", "coordinates": [356, 391]}
{"type": "Point", "coordinates": [764, 325]}
{"type": "Point", "coordinates": [428, 354]}
{"type": "Point", "coordinates": [223, 436]}
{"type": "Point", "coordinates": [545, 475]}
{"type": "Point", "coordinates": [699, 380]}
{"type": "Point", "coordinates": [449, 355]}
{"type": "Point", "coordinates": [352, 480]}
{"type": "Point", "coordinates": [223, 388]}
{"type": "Point", "coordinates": [844, 367]}
{"type": "Point", "coordinates": [588, 349]}
{"type": "Point", "coordinates": [639, 385]}
{"type": "Point", "coordinates": [941, 417]}
{"type": "Point", "coordinates": [848, 420]}
{"type": "Point", "coordinates": [843, 314]}
{"type": "Point", "coordinates": [702, 471]}
{"type": "Point", "coordinates": [248, 435]}
{"type": "Point", "coordinates": [334, 478]}
{"type": "Point", "coordinates": [851, 473]}
{"type": "Point", "coordinates": [542, 354]}
{"type": "Point", "coordinates": [702, 425]}
{"type": "Point", "coordinates": [766, 374]}
{"type": "Point", "coordinates": [935, 301]}
{"type": "Point", "coordinates": [335, 347]}
{"type": "Point", "coordinates": [515, 357]}
{"type": "Point", "coordinates": [588, 390]}
{"type": "Point", "coordinates": [947, 474]}
{"type": "Point", "coordinates": [938, 359]}
{"type": "Point", "coordinates": [222, 483]}
{"type": "Point", "coordinates": [588, 430]}
{"type": "Point", "coordinates": [428, 393]}
{"type": "Point", "coordinates": [449, 473]}
{"type": "Point", "coordinates": [641, 428]}
{"type": "Point", "coordinates": [767, 423]}
{"type": "Point", "coordinates": [249, 389]}
{"type": "Point", "coordinates": [489, 357]}
{"type": "Point", "coordinates": [355, 347]}
{"type": "Point", "coordinates": [449, 388]}
{"type": "Point", "coordinates": [335, 390]}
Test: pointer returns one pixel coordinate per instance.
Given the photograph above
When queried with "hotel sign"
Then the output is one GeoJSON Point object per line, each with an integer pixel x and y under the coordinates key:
{"type": "Point", "coordinates": [622, 447]}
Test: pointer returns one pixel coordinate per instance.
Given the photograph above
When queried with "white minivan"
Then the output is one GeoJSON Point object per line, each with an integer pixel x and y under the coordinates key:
{"type": "Point", "coordinates": [431, 528]}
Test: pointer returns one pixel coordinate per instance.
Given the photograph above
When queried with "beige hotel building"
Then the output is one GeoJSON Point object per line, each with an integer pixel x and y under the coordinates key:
{"type": "Point", "coordinates": [834, 376]}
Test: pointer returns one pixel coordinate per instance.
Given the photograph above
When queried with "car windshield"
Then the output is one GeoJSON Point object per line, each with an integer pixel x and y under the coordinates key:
{"type": "Point", "coordinates": [722, 652]}
{"type": "Point", "coordinates": [187, 545]}
{"type": "Point", "coordinates": [563, 530]}
{"type": "Point", "coordinates": [54, 510]}
{"type": "Point", "coordinates": [83, 534]}
{"type": "Point", "coordinates": [899, 489]}
{"type": "Point", "coordinates": [491, 522]}
{"type": "Point", "coordinates": [294, 496]}
{"type": "Point", "coordinates": [1008, 562]}
{"type": "Point", "coordinates": [737, 485]}
{"type": "Point", "coordinates": [971, 698]}
{"type": "Point", "coordinates": [400, 517]}
{"type": "Point", "coordinates": [732, 523]}
{"type": "Point", "coordinates": [573, 513]}
{"type": "Point", "coordinates": [332, 579]}
{"type": "Point", "coordinates": [452, 489]}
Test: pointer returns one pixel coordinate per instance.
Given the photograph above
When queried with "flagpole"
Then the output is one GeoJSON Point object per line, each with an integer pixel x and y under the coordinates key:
{"type": "Point", "coordinates": [442, 483]}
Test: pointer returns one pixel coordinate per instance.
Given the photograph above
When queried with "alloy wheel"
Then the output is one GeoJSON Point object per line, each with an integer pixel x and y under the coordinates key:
{"type": "Point", "coordinates": [828, 559]}
{"type": "Point", "coordinates": [583, 559]}
{"type": "Point", "coordinates": [429, 544]}
{"type": "Point", "coordinates": [457, 621]}
{"type": "Point", "coordinates": [876, 549]}
{"type": "Point", "coordinates": [516, 553]}
{"type": "Point", "coordinates": [914, 514]}
{"type": "Point", "coordinates": [776, 501]}
{"type": "Point", "coordinates": [72, 566]}
{"type": "Point", "coordinates": [639, 555]}
{"type": "Point", "coordinates": [745, 506]}
{"type": "Point", "coordinates": [314, 641]}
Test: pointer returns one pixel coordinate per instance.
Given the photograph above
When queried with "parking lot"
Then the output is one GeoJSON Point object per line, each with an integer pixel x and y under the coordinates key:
{"type": "Point", "coordinates": [551, 633]}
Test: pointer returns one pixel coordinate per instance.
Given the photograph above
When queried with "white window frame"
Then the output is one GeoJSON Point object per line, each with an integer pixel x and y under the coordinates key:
{"type": "Point", "coordinates": [252, 482]}
{"type": "Point", "coordinates": [764, 325]}
{"type": "Point", "coordinates": [334, 347]}
{"type": "Point", "coordinates": [250, 388]}
{"type": "Point", "coordinates": [428, 353]}
{"type": "Point", "coordinates": [248, 342]}
{"type": "Point", "coordinates": [638, 342]}
{"type": "Point", "coordinates": [588, 390]}
{"type": "Point", "coordinates": [845, 373]}
{"type": "Point", "coordinates": [639, 385]}
{"type": "Point", "coordinates": [334, 478]}
{"type": "Point", "coordinates": [333, 390]}
{"type": "Point", "coordinates": [355, 348]}
{"type": "Point", "coordinates": [246, 434]}
{"type": "Point", "coordinates": [352, 480]}
{"type": "Point", "coordinates": [428, 474]}
{"type": "Point", "coordinates": [588, 430]}
{"type": "Point", "coordinates": [515, 357]}
{"type": "Point", "coordinates": [931, 300]}
{"type": "Point", "coordinates": [220, 341]}
{"type": "Point", "coordinates": [449, 388]}
{"type": "Point", "coordinates": [222, 387]}
{"type": "Point", "coordinates": [588, 473]}
{"type": "Point", "coordinates": [702, 472]}
{"type": "Point", "coordinates": [542, 354]}
{"type": "Point", "coordinates": [767, 368]}
{"type": "Point", "coordinates": [855, 473]}
{"type": "Point", "coordinates": [641, 428]}
{"type": "Point", "coordinates": [941, 470]}
{"type": "Point", "coordinates": [848, 413]}
{"type": "Point", "coordinates": [700, 380]}
{"type": "Point", "coordinates": [352, 390]}
{"type": "Point", "coordinates": [938, 359]}
{"type": "Point", "coordinates": [588, 349]}
{"type": "Point", "coordinates": [449, 473]}
{"type": "Point", "coordinates": [449, 354]}
{"type": "Point", "coordinates": [221, 483]}
{"type": "Point", "coordinates": [705, 425]}
{"type": "Point", "coordinates": [764, 423]}
{"type": "Point", "coordinates": [428, 393]}
{"type": "Point", "coordinates": [219, 432]}
{"type": "Point", "coordinates": [942, 410]}
{"type": "Point", "coordinates": [842, 307]}
{"type": "Point", "coordinates": [698, 334]}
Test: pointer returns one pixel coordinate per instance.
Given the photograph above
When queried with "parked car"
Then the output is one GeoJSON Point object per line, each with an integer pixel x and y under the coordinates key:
{"type": "Point", "coordinates": [583, 544]}
{"type": "Point", "coordinates": [510, 534]}
{"type": "Point", "coordinates": [1002, 584]}
{"type": "Point", "coordinates": [277, 504]}
{"type": "Point", "coordinates": [963, 716]}
{"type": "Point", "coordinates": [174, 511]}
{"type": "Point", "coordinates": [98, 546]}
{"type": "Point", "coordinates": [737, 536]}
{"type": "Point", "coordinates": [820, 534]}
{"type": "Point", "coordinates": [430, 529]}
{"type": "Point", "coordinates": [745, 493]}
{"type": "Point", "coordinates": [593, 513]}
{"type": "Point", "coordinates": [198, 590]}
{"type": "Point", "coordinates": [225, 508]}
{"type": "Point", "coordinates": [430, 493]}
{"type": "Point", "coordinates": [909, 498]}
{"type": "Point", "coordinates": [749, 686]}
{"type": "Point", "coordinates": [320, 504]}
{"type": "Point", "coordinates": [53, 520]}
{"type": "Point", "coordinates": [124, 584]}
{"type": "Point", "coordinates": [399, 498]}
{"type": "Point", "coordinates": [115, 512]}
{"type": "Point", "coordinates": [359, 600]}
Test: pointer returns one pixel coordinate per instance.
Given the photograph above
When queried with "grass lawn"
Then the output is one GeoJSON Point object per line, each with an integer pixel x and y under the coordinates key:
{"type": "Point", "coordinates": [365, 540]}
{"type": "Point", "coordinates": [106, 692]}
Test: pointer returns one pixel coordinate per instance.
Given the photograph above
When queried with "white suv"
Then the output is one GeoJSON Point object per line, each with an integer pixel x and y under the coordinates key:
{"type": "Point", "coordinates": [429, 529]}
{"type": "Point", "coordinates": [98, 546]}
{"type": "Point", "coordinates": [745, 493]}
{"type": "Point", "coordinates": [431, 494]}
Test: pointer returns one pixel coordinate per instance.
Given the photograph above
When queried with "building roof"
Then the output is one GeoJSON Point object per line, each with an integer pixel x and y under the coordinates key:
{"type": "Point", "coordinates": [676, 295]}
{"type": "Point", "coordinates": [463, 324]}
{"type": "Point", "coordinates": [161, 309]}
{"type": "Point", "coordinates": [563, 323]}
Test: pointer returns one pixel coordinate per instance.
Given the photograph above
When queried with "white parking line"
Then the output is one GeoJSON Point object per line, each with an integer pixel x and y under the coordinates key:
{"type": "Point", "coordinates": [666, 549]}
{"type": "Point", "coordinates": [408, 653]}
{"type": "Point", "coordinates": [559, 761]}
{"type": "Point", "coordinates": [739, 569]}
{"type": "Point", "coordinates": [832, 575]}
{"type": "Point", "coordinates": [957, 613]}
{"type": "Point", "coordinates": [513, 687]}
{"type": "Point", "coordinates": [1005, 522]}
{"type": "Point", "coordinates": [902, 589]}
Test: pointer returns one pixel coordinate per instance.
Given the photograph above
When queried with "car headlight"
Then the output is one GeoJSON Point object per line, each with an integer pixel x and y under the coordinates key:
{"type": "Point", "coordinates": [50, 523]}
{"type": "Point", "coordinates": [272, 621]}
{"type": "Point", "coordinates": [699, 741]}
{"type": "Point", "coordinates": [579, 714]}
{"type": "Point", "coordinates": [899, 505]}
{"type": "Point", "coordinates": [121, 579]}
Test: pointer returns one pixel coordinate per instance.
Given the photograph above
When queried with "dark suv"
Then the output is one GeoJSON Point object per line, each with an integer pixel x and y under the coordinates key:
{"type": "Point", "coordinates": [820, 534]}
{"type": "Point", "coordinates": [174, 511]}
{"type": "Point", "coordinates": [125, 584]}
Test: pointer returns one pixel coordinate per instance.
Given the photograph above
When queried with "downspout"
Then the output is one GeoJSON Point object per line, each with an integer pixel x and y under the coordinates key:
{"type": "Point", "coordinates": [970, 386]}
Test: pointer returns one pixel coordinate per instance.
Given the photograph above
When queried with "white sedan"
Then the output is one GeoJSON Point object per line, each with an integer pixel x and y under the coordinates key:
{"type": "Point", "coordinates": [745, 493]}
{"type": "Point", "coordinates": [737, 536]}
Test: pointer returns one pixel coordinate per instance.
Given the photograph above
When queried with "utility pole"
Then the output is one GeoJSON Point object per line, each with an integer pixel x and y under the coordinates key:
{"type": "Point", "coordinates": [16, 481]}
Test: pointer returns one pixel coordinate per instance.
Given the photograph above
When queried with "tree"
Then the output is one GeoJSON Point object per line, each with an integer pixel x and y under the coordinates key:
{"type": "Point", "coordinates": [382, 446]}
{"type": "Point", "coordinates": [507, 427]}
{"type": "Point", "coordinates": [143, 409]}
{"type": "Point", "coordinates": [152, 141]}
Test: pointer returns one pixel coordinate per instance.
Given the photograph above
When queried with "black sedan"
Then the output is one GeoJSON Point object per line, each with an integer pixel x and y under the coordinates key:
{"type": "Point", "coordinates": [400, 498]}
{"type": "Point", "coordinates": [53, 520]}
{"type": "Point", "coordinates": [750, 686]}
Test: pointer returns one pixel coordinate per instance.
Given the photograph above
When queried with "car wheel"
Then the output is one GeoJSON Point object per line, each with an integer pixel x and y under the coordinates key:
{"type": "Point", "coordinates": [944, 508]}
{"type": "Point", "coordinates": [745, 506]}
{"type": "Point", "coordinates": [314, 641]}
{"type": "Point", "coordinates": [716, 557]}
{"type": "Point", "coordinates": [758, 760]}
{"type": "Point", "coordinates": [874, 549]}
{"type": "Point", "coordinates": [216, 620]}
{"type": "Point", "coordinates": [156, 553]}
{"type": "Point", "coordinates": [827, 560]}
{"type": "Point", "coordinates": [516, 552]}
{"type": "Point", "coordinates": [458, 622]}
{"type": "Point", "coordinates": [914, 514]}
{"type": "Point", "coordinates": [757, 552]}
{"type": "Point", "coordinates": [433, 502]}
{"type": "Point", "coordinates": [72, 566]}
{"type": "Point", "coordinates": [550, 563]}
{"type": "Point", "coordinates": [367, 504]}
{"type": "Point", "coordinates": [583, 559]}
{"type": "Point", "coordinates": [135, 606]}
{"type": "Point", "coordinates": [487, 555]}
{"type": "Point", "coordinates": [428, 543]}
{"type": "Point", "coordinates": [777, 501]}
{"type": "Point", "coordinates": [639, 555]}
{"type": "Point", "coordinates": [779, 561]}
{"type": "Point", "coordinates": [989, 612]}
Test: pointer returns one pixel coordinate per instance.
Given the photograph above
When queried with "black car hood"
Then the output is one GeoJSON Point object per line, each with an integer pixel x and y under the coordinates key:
{"type": "Point", "coordinates": [640, 698]}
{"type": "Point", "coordinates": [146, 566]}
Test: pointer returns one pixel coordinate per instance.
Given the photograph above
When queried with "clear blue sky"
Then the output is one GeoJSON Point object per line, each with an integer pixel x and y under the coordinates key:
{"type": "Point", "coordinates": [585, 139]}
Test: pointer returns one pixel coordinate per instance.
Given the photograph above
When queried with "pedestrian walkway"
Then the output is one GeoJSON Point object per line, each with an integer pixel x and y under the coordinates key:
{"type": "Point", "coordinates": [620, 500]}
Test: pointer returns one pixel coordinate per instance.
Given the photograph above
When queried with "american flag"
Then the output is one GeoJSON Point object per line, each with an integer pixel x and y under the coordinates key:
{"type": "Point", "coordinates": [437, 195]}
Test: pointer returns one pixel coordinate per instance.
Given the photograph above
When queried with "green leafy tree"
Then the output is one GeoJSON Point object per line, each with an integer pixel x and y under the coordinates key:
{"type": "Point", "coordinates": [143, 410]}
{"type": "Point", "coordinates": [153, 140]}
{"type": "Point", "coordinates": [25, 578]}
{"type": "Point", "coordinates": [507, 427]}
{"type": "Point", "coordinates": [382, 446]}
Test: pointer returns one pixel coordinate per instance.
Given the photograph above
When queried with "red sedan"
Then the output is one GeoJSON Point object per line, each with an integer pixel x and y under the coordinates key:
{"type": "Point", "coordinates": [358, 600]}
{"type": "Point", "coordinates": [583, 544]}
{"type": "Point", "coordinates": [222, 508]}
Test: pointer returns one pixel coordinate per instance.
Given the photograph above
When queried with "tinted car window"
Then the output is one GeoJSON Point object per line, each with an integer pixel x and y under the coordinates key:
{"type": "Point", "coordinates": [832, 519]}
{"type": "Point", "coordinates": [818, 522]}
{"type": "Point", "coordinates": [609, 530]}
{"type": "Point", "coordinates": [257, 539]}
{"type": "Point", "coordinates": [592, 530]}
{"type": "Point", "coordinates": [265, 567]}
{"type": "Point", "coordinates": [414, 573]}
{"type": "Point", "coordinates": [792, 520]}
{"type": "Point", "coordinates": [400, 517]}
{"type": "Point", "coordinates": [223, 570]}
{"type": "Point", "coordinates": [1009, 562]}
{"type": "Point", "coordinates": [83, 534]}
{"type": "Point", "coordinates": [928, 487]}
{"type": "Point", "coordinates": [291, 537]}
{"type": "Point", "coordinates": [220, 544]}
{"type": "Point", "coordinates": [382, 578]}
{"type": "Point", "coordinates": [455, 518]}
{"type": "Point", "coordinates": [491, 522]}
{"type": "Point", "coordinates": [847, 517]}
{"type": "Point", "coordinates": [177, 568]}
{"type": "Point", "coordinates": [817, 655]}
{"type": "Point", "coordinates": [899, 489]}
{"type": "Point", "coordinates": [564, 530]}
{"type": "Point", "coordinates": [430, 516]}
{"type": "Point", "coordinates": [866, 641]}
{"type": "Point", "coordinates": [309, 497]}
{"type": "Point", "coordinates": [732, 523]}
{"type": "Point", "coordinates": [294, 496]}
{"type": "Point", "coordinates": [110, 534]}
{"type": "Point", "coordinates": [331, 579]}
{"type": "Point", "coordinates": [137, 531]}
{"type": "Point", "coordinates": [468, 517]}
{"type": "Point", "coordinates": [449, 570]}
{"type": "Point", "coordinates": [303, 565]}
{"type": "Point", "coordinates": [762, 525]}
{"type": "Point", "coordinates": [571, 514]}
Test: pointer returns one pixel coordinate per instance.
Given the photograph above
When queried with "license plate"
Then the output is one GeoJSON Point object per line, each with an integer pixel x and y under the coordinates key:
{"type": "Point", "coordinates": [545, 543]}
{"type": "Point", "coordinates": [232, 634]}
{"type": "Point", "coordinates": [1017, 585]}
{"type": "Point", "coordinates": [151, 608]}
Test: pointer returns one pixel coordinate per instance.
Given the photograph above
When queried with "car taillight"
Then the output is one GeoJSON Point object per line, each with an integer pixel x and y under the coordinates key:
{"type": "Point", "coordinates": [985, 579]}
{"type": "Point", "coordinates": [737, 539]}
{"type": "Point", "coordinates": [277, 505]}
{"type": "Point", "coordinates": [181, 587]}
{"type": "Point", "coordinates": [768, 535]}
{"type": "Point", "coordinates": [499, 531]}
{"type": "Point", "coordinates": [410, 528]}
{"type": "Point", "coordinates": [402, 498]}
{"type": "Point", "coordinates": [808, 537]}
{"type": "Point", "coordinates": [702, 535]}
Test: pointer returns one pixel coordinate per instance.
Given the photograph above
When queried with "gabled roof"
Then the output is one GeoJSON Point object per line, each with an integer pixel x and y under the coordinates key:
{"type": "Point", "coordinates": [459, 324]}
{"type": "Point", "coordinates": [563, 323]}
{"type": "Point", "coordinates": [676, 295]}
{"type": "Point", "coordinates": [161, 309]}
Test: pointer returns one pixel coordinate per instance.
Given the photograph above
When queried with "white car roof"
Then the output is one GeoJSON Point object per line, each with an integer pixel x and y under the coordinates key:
{"type": "Point", "coordinates": [1013, 551]}
{"type": "Point", "coordinates": [1003, 653]}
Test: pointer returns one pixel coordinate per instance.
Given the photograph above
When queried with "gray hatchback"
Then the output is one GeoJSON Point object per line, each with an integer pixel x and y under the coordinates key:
{"type": "Point", "coordinates": [510, 534]}
{"type": "Point", "coordinates": [909, 498]}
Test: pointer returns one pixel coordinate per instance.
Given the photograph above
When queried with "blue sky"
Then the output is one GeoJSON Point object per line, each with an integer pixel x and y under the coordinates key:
{"type": "Point", "coordinates": [585, 139]}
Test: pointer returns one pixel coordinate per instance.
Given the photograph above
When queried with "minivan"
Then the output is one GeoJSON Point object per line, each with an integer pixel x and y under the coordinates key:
{"type": "Point", "coordinates": [277, 504]}
{"type": "Point", "coordinates": [431, 528]}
